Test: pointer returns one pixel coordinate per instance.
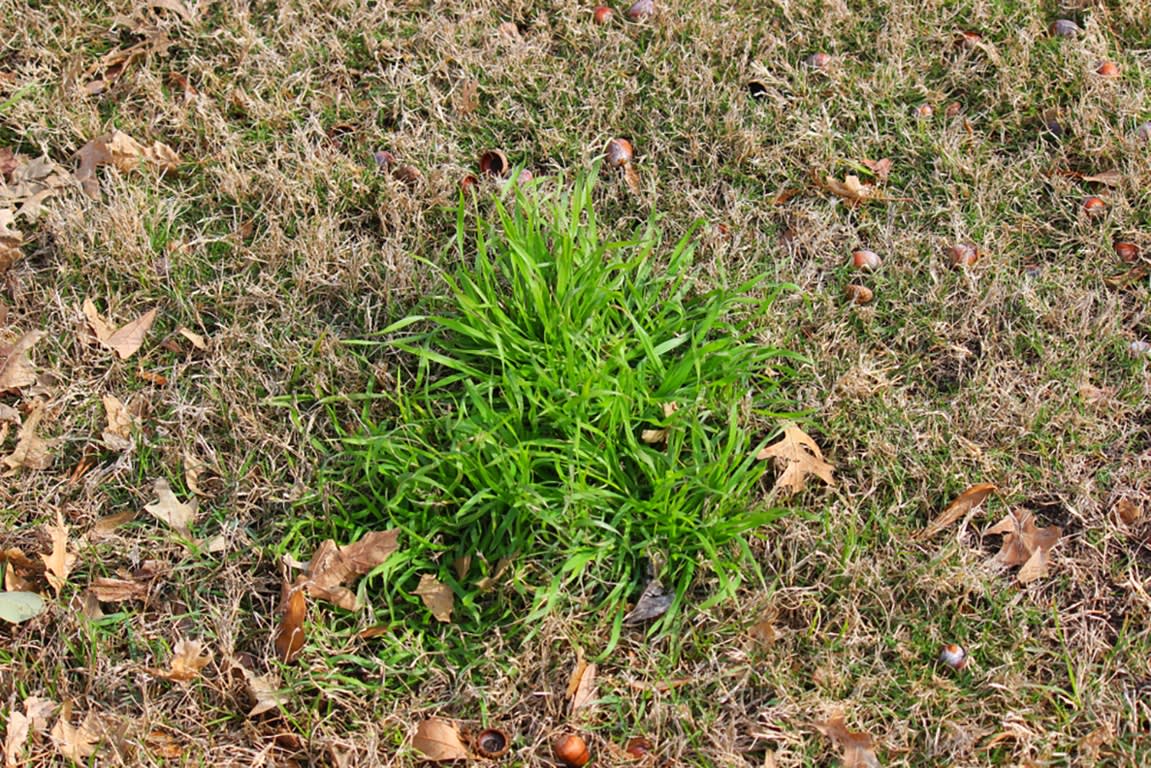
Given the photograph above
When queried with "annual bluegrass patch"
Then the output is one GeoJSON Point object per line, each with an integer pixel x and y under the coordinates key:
{"type": "Point", "coordinates": [572, 418]}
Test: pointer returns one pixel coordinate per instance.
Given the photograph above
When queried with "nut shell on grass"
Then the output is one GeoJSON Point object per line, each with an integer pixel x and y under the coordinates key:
{"type": "Point", "coordinates": [866, 260]}
{"type": "Point", "coordinates": [492, 743]}
{"type": "Point", "coordinates": [618, 153]}
{"type": "Point", "coordinates": [1107, 69]}
{"type": "Point", "coordinates": [954, 656]}
{"type": "Point", "coordinates": [1064, 28]}
{"type": "Point", "coordinates": [602, 14]}
{"type": "Point", "coordinates": [571, 750]}
{"type": "Point", "coordinates": [640, 10]}
{"type": "Point", "coordinates": [963, 254]}
{"type": "Point", "coordinates": [1127, 252]}
{"type": "Point", "coordinates": [495, 163]}
{"type": "Point", "coordinates": [859, 294]}
{"type": "Point", "coordinates": [818, 61]}
{"type": "Point", "coordinates": [1094, 206]}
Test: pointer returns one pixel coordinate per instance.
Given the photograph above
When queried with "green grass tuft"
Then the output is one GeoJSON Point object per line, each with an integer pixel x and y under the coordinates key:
{"type": "Point", "coordinates": [516, 434]}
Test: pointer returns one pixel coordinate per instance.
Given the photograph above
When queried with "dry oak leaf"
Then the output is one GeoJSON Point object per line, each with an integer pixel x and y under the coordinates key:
{"type": "Point", "coordinates": [333, 567]}
{"type": "Point", "coordinates": [10, 240]}
{"type": "Point", "coordinates": [583, 696]}
{"type": "Point", "coordinates": [437, 596]}
{"type": "Point", "coordinates": [189, 657]}
{"type": "Point", "coordinates": [438, 740]}
{"type": "Point", "coordinates": [1025, 544]}
{"type": "Point", "coordinates": [799, 456]}
{"type": "Point", "coordinates": [120, 150]}
{"type": "Point", "coordinates": [264, 690]}
{"type": "Point", "coordinates": [858, 747]}
{"type": "Point", "coordinates": [653, 602]}
{"type": "Point", "coordinates": [59, 562]}
{"type": "Point", "coordinates": [30, 183]}
{"type": "Point", "coordinates": [117, 436]}
{"type": "Point", "coordinates": [963, 503]}
{"type": "Point", "coordinates": [125, 340]}
{"type": "Point", "coordinates": [16, 369]}
{"type": "Point", "coordinates": [31, 451]}
{"type": "Point", "coordinates": [19, 726]}
{"type": "Point", "coordinates": [1110, 178]}
{"type": "Point", "coordinates": [169, 509]}
{"type": "Point", "coordinates": [881, 168]}
{"type": "Point", "coordinates": [289, 638]}
{"type": "Point", "coordinates": [77, 743]}
{"type": "Point", "coordinates": [108, 590]}
{"type": "Point", "coordinates": [855, 192]}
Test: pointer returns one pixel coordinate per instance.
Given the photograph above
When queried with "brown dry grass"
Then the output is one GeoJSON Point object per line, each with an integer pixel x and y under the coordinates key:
{"type": "Point", "coordinates": [276, 241]}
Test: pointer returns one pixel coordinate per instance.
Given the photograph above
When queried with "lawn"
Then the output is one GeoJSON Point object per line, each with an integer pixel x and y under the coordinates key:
{"type": "Point", "coordinates": [257, 292]}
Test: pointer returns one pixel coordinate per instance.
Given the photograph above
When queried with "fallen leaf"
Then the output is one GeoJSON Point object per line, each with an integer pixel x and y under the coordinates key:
{"type": "Point", "coordinates": [881, 168]}
{"type": "Point", "coordinates": [108, 590]}
{"type": "Point", "coordinates": [1133, 275]}
{"type": "Point", "coordinates": [468, 98]}
{"type": "Point", "coordinates": [189, 657]}
{"type": "Point", "coordinates": [855, 192]}
{"type": "Point", "coordinates": [653, 602]}
{"type": "Point", "coordinates": [58, 564]}
{"type": "Point", "coordinates": [1128, 511]}
{"type": "Point", "coordinates": [799, 456]}
{"type": "Point", "coordinates": [660, 435]}
{"type": "Point", "coordinates": [163, 744]}
{"type": "Point", "coordinates": [193, 468]}
{"type": "Point", "coordinates": [168, 509]}
{"type": "Point", "coordinates": [10, 240]}
{"type": "Point", "coordinates": [858, 747]}
{"type": "Point", "coordinates": [105, 525]}
{"type": "Point", "coordinates": [1110, 178]}
{"type": "Point", "coordinates": [289, 639]}
{"type": "Point", "coordinates": [18, 607]}
{"type": "Point", "coordinates": [437, 596]}
{"type": "Point", "coordinates": [196, 339]}
{"type": "Point", "coordinates": [112, 65]}
{"type": "Point", "coordinates": [963, 503]}
{"type": "Point", "coordinates": [124, 341]}
{"type": "Point", "coordinates": [265, 691]}
{"type": "Point", "coordinates": [584, 694]}
{"type": "Point", "coordinates": [333, 567]}
{"type": "Point", "coordinates": [492, 579]}
{"type": "Point", "coordinates": [763, 633]}
{"type": "Point", "coordinates": [438, 741]}
{"type": "Point", "coordinates": [29, 183]}
{"type": "Point", "coordinates": [31, 451]}
{"type": "Point", "coordinates": [39, 711]}
{"type": "Point", "coordinates": [19, 726]}
{"type": "Point", "coordinates": [121, 423]}
{"type": "Point", "coordinates": [121, 151]}
{"type": "Point", "coordinates": [16, 369]}
{"type": "Point", "coordinates": [77, 743]}
{"type": "Point", "coordinates": [1025, 544]}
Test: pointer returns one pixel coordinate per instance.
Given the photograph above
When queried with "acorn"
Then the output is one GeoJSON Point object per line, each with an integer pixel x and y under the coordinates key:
{"type": "Point", "coordinates": [1127, 252]}
{"type": "Point", "coordinates": [1064, 28]}
{"type": "Point", "coordinates": [619, 152]}
{"type": "Point", "coordinates": [495, 163]}
{"type": "Point", "coordinates": [859, 294]}
{"type": "Point", "coordinates": [384, 159]}
{"type": "Point", "coordinates": [953, 109]}
{"type": "Point", "coordinates": [818, 60]}
{"type": "Point", "coordinates": [492, 743]}
{"type": "Point", "coordinates": [968, 39]}
{"type": "Point", "coordinates": [1094, 206]}
{"type": "Point", "coordinates": [571, 750]}
{"type": "Point", "coordinates": [1107, 69]}
{"type": "Point", "coordinates": [640, 10]}
{"type": "Point", "coordinates": [408, 174]}
{"type": "Point", "coordinates": [953, 656]}
{"type": "Point", "coordinates": [602, 14]}
{"type": "Point", "coordinates": [468, 183]}
{"type": "Point", "coordinates": [963, 254]}
{"type": "Point", "coordinates": [861, 258]}
{"type": "Point", "coordinates": [922, 111]}
{"type": "Point", "coordinates": [639, 747]}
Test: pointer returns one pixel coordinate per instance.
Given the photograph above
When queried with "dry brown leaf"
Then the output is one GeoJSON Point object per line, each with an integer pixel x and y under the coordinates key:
{"type": "Point", "coordinates": [124, 341]}
{"type": "Point", "coordinates": [653, 602]}
{"type": "Point", "coordinates": [963, 503]}
{"type": "Point", "coordinates": [631, 178]}
{"type": "Point", "coordinates": [289, 639]}
{"type": "Point", "coordinates": [855, 192]}
{"type": "Point", "coordinates": [798, 456]}
{"type": "Point", "coordinates": [168, 509]}
{"type": "Point", "coordinates": [29, 183]}
{"type": "Point", "coordinates": [1128, 511]}
{"type": "Point", "coordinates": [117, 436]}
{"type": "Point", "coordinates": [189, 658]}
{"type": "Point", "coordinates": [108, 590]}
{"type": "Point", "coordinates": [31, 451]}
{"type": "Point", "coordinates": [16, 369]}
{"type": "Point", "coordinates": [77, 743]}
{"type": "Point", "coordinates": [468, 98]}
{"type": "Point", "coordinates": [858, 747]}
{"type": "Point", "coordinates": [439, 741]}
{"type": "Point", "coordinates": [163, 744]}
{"type": "Point", "coordinates": [584, 695]}
{"type": "Point", "coordinates": [492, 579]}
{"type": "Point", "coordinates": [196, 339]}
{"type": "Point", "coordinates": [58, 564]}
{"type": "Point", "coordinates": [332, 567]}
{"type": "Point", "coordinates": [1133, 275]}
{"type": "Point", "coordinates": [437, 596]}
{"type": "Point", "coordinates": [763, 633]}
{"type": "Point", "coordinates": [193, 468]}
{"type": "Point", "coordinates": [19, 726]}
{"type": "Point", "coordinates": [105, 525]}
{"type": "Point", "coordinates": [120, 150]}
{"type": "Point", "coordinates": [1025, 544]}
{"type": "Point", "coordinates": [881, 168]}
{"type": "Point", "coordinates": [264, 690]}
{"type": "Point", "coordinates": [10, 240]}
{"type": "Point", "coordinates": [39, 710]}
{"type": "Point", "coordinates": [1110, 178]}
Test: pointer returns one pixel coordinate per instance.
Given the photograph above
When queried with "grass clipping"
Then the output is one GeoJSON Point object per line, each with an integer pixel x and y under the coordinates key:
{"type": "Point", "coordinates": [523, 431]}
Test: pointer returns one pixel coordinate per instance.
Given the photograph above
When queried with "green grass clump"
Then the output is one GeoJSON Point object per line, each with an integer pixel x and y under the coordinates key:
{"type": "Point", "coordinates": [516, 433]}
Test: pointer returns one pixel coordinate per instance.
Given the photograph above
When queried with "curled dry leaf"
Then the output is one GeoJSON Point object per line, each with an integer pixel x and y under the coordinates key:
{"type": "Point", "coordinates": [437, 596]}
{"type": "Point", "coordinates": [583, 694]}
{"type": "Point", "coordinates": [881, 168]}
{"type": "Point", "coordinates": [653, 602]}
{"type": "Point", "coordinates": [289, 639]}
{"type": "Point", "coordinates": [798, 456]}
{"type": "Point", "coordinates": [59, 562]}
{"type": "Point", "coordinates": [169, 509]}
{"type": "Point", "coordinates": [1128, 511]}
{"type": "Point", "coordinates": [121, 151]}
{"type": "Point", "coordinates": [124, 341]}
{"type": "Point", "coordinates": [1109, 178]}
{"type": "Point", "coordinates": [858, 747]}
{"type": "Point", "coordinates": [10, 240]}
{"type": "Point", "coordinates": [28, 183]}
{"type": "Point", "coordinates": [855, 192]}
{"type": "Point", "coordinates": [189, 657]}
{"type": "Point", "coordinates": [117, 436]}
{"type": "Point", "coordinates": [16, 369]}
{"type": "Point", "coordinates": [108, 590]}
{"type": "Point", "coordinates": [1025, 544]}
{"type": "Point", "coordinates": [19, 726]}
{"type": "Point", "coordinates": [654, 436]}
{"type": "Point", "coordinates": [31, 451]}
{"type": "Point", "coordinates": [963, 503]}
{"type": "Point", "coordinates": [439, 740]}
{"type": "Point", "coordinates": [77, 743]}
{"type": "Point", "coordinates": [332, 567]}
